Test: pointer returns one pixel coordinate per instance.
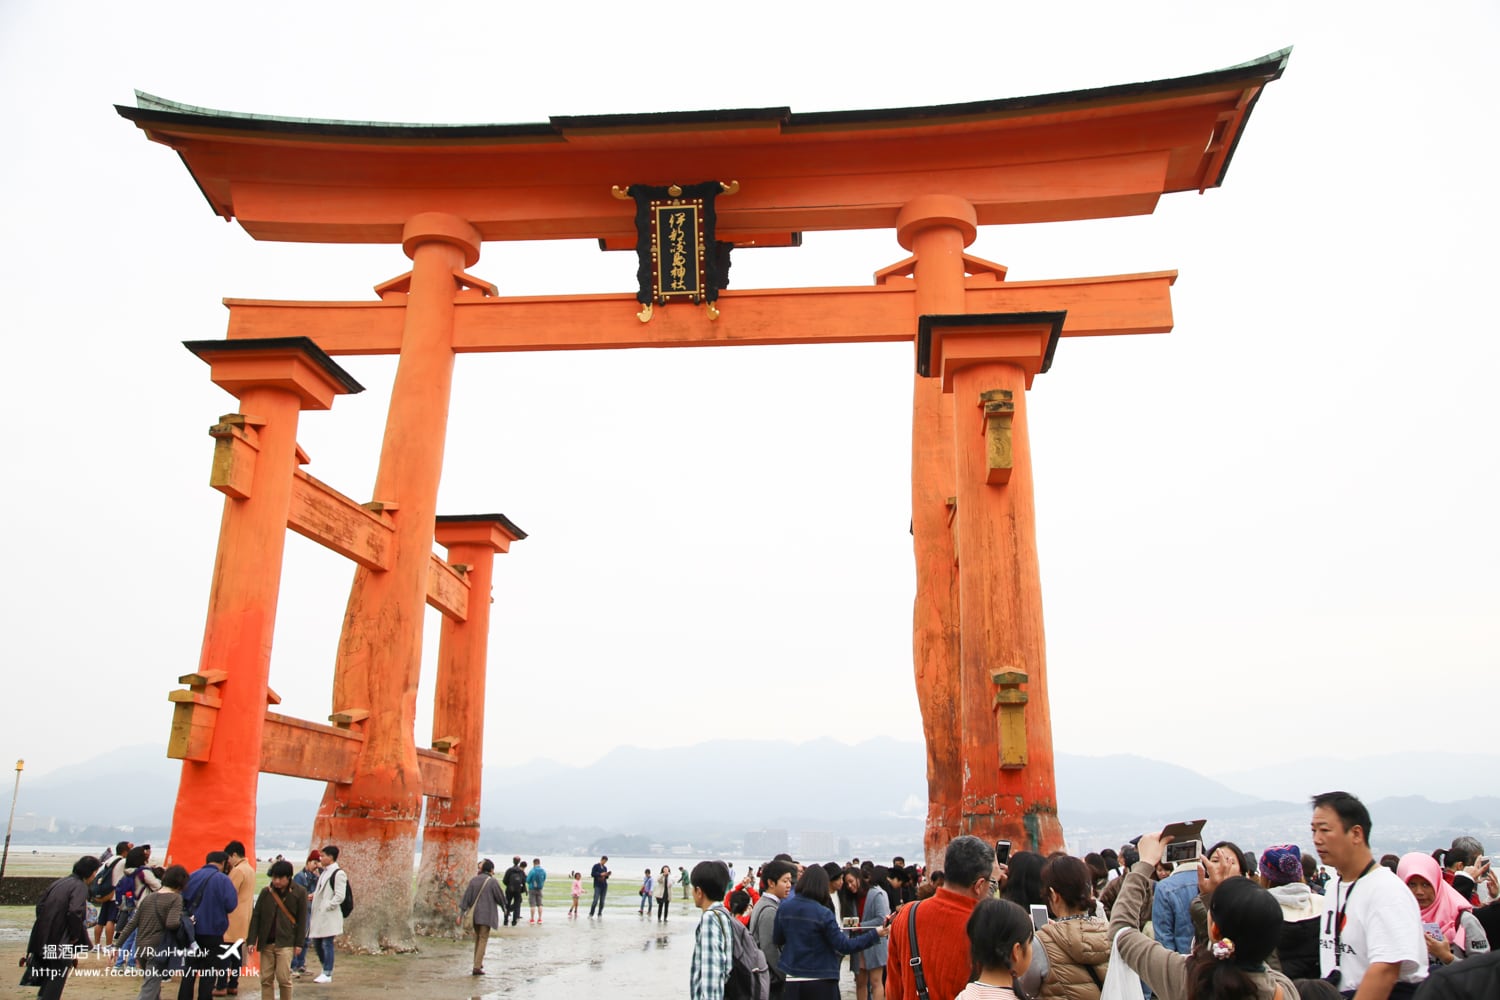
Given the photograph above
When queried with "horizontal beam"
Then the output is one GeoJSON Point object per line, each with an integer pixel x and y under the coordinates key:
{"type": "Point", "coordinates": [437, 773]}
{"type": "Point", "coordinates": [447, 590]}
{"type": "Point", "coordinates": [309, 750]}
{"type": "Point", "coordinates": [1117, 304]}
{"type": "Point", "coordinates": [1097, 184]}
{"type": "Point", "coordinates": [323, 514]}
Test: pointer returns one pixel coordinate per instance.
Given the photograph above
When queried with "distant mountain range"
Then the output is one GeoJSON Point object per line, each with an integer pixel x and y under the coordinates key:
{"type": "Point", "coordinates": [877, 788]}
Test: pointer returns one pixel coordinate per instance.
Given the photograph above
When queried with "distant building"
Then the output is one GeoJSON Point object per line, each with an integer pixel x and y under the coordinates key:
{"type": "Point", "coordinates": [32, 823]}
{"type": "Point", "coordinates": [763, 845]}
{"type": "Point", "coordinates": [816, 845]}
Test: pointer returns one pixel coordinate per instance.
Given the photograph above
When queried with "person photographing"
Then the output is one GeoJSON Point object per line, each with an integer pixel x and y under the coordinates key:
{"type": "Point", "coordinates": [1244, 924]}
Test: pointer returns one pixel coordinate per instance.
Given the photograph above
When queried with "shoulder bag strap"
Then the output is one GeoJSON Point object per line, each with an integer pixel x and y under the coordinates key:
{"type": "Point", "coordinates": [285, 912]}
{"type": "Point", "coordinates": [916, 954]}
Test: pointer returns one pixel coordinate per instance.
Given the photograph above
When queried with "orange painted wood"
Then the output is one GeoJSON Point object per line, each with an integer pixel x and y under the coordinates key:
{"type": "Point", "coordinates": [939, 288]}
{"type": "Point", "coordinates": [437, 773]}
{"type": "Point", "coordinates": [274, 382]}
{"type": "Point", "coordinates": [310, 750]}
{"type": "Point", "coordinates": [447, 589]}
{"type": "Point", "coordinates": [323, 514]}
{"type": "Point", "coordinates": [375, 818]}
{"type": "Point", "coordinates": [1087, 154]}
{"type": "Point", "coordinates": [1096, 186]}
{"type": "Point", "coordinates": [450, 835]}
{"type": "Point", "coordinates": [1096, 306]}
{"type": "Point", "coordinates": [1010, 791]}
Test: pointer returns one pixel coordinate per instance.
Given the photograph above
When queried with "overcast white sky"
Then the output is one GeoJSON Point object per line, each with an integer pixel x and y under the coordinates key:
{"type": "Point", "coordinates": [1273, 529]}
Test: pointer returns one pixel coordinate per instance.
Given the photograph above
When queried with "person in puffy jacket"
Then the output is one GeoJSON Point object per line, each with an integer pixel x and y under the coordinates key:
{"type": "Point", "coordinates": [1076, 942]}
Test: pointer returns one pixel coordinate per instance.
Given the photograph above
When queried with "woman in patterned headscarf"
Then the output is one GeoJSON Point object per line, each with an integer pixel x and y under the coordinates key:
{"type": "Point", "coordinates": [1282, 874]}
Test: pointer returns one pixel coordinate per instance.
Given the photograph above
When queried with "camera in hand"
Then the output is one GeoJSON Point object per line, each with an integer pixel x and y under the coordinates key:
{"type": "Point", "coordinates": [1179, 851]}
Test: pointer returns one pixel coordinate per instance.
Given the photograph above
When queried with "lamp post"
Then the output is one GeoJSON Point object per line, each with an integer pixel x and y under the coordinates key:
{"type": "Point", "coordinates": [8, 823]}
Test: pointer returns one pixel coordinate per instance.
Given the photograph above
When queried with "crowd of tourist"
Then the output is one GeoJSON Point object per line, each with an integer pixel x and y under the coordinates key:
{"type": "Point", "coordinates": [1134, 923]}
{"type": "Point", "coordinates": [1128, 924]}
{"type": "Point", "coordinates": [198, 928]}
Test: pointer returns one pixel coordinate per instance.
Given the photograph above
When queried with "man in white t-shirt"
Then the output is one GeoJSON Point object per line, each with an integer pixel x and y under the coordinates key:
{"type": "Point", "coordinates": [1371, 932]}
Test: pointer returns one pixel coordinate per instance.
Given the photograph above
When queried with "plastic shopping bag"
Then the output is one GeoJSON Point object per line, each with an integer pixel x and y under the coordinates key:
{"type": "Point", "coordinates": [1121, 982]}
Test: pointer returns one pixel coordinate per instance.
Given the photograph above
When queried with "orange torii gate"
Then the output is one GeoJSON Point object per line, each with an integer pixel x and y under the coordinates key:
{"type": "Point", "coordinates": [933, 174]}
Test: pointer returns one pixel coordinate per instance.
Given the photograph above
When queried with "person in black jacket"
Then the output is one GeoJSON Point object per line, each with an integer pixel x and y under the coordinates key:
{"type": "Point", "coordinates": [515, 887]}
{"type": "Point", "coordinates": [1476, 978]}
{"type": "Point", "coordinates": [58, 934]}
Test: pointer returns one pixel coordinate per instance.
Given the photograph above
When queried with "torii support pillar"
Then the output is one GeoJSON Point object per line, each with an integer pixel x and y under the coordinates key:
{"type": "Point", "coordinates": [374, 819]}
{"type": "Point", "coordinates": [217, 725]}
{"type": "Point", "coordinates": [987, 362]}
{"type": "Point", "coordinates": [450, 834]}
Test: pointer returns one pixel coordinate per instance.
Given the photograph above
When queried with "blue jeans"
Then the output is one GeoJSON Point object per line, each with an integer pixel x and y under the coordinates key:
{"type": "Point", "coordinates": [325, 953]}
{"type": "Point", "coordinates": [299, 959]}
{"type": "Point", "coordinates": [598, 903]}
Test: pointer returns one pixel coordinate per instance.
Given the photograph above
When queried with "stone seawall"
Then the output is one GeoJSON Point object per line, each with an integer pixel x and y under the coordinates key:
{"type": "Point", "coordinates": [24, 890]}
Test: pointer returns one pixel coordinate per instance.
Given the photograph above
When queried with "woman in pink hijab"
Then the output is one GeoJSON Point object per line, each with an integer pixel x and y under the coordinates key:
{"type": "Point", "coordinates": [1452, 930]}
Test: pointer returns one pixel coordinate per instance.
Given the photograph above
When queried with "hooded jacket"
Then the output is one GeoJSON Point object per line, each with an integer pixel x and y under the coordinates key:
{"type": "Point", "coordinates": [1296, 953]}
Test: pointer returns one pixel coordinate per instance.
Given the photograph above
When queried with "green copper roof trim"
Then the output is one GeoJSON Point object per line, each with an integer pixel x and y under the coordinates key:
{"type": "Point", "coordinates": [150, 107]}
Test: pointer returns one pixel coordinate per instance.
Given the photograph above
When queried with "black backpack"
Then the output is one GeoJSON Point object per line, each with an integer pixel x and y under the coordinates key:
{"type": "Point", "coordinates": [102, 888]}
{"type": "Point", "coordinates": [347, 906]}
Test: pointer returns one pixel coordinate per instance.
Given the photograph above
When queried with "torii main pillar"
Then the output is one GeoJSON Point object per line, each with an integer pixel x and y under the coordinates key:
{"type": "Point", "coordinates": [985, 364]}
{"type": "Point", "coordinates": [374, 819]}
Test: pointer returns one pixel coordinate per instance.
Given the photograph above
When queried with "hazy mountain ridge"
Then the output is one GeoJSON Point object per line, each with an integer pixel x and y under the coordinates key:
{"type": "Point", "coordinates": [875, 788]}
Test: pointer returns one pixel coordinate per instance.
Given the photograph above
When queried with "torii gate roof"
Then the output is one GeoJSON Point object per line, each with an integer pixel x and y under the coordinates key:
{"type": "Point", "coordinates": [1096, 153]}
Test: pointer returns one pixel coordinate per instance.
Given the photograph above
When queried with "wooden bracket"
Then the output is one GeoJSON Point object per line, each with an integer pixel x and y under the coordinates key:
{"type": "Point", "coordinates": [999, 409]}
{"type": "Point", "coordinates": [1010, 706]}
{"type": "Point", "coordinates": [235, 446]}
{"type": "Point", "coordinates": [445, 744]}
{"type": "Point", "coordinates": [349, 717]}
{"type": "Point", "coordinates": [194, 714]}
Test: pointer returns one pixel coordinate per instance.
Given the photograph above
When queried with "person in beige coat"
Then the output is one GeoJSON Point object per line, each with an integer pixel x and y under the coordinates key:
{"type": "Point", "coordinates": [242, 874]}
{"type": "Point", "coordinates": [1243, 927]}
{"type": "Point", "coordinates": [1077, 944]}
{"type": "Point", "coordinates": [325, 917]}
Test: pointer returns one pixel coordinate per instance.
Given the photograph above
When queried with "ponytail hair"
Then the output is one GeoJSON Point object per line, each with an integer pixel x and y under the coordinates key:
{"type": "Point", "coordinates": [1248, 919]}
{"type": "Point", "coordinates": [995, 927]}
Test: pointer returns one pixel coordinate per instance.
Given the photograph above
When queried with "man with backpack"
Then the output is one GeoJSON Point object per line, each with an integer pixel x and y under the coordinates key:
{"type": "Point", "coordinates": [331, 903]}
{"type": "Point", "coordinates": [102, 893]}
{"type": "Point", "coordinates": [727, 964]}
{"type": "Point", "coordinates": [515, 887]}
{"type": "Point", "coordinates": [207, 899]}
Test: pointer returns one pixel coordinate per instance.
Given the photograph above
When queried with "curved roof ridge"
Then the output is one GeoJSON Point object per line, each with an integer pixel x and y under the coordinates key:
{"type": "Point", "coordinates": [1268, 67]}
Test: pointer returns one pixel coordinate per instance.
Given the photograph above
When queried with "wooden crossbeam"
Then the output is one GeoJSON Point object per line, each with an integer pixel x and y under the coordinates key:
{"type": "Point", "coordinates": [301, 749]}
{"type": "Point", "coordinates": [334, 521]}
{"type": "Point", "coordinates": [1102, 306]}
{"type": "Point", "coordinates": [353, 530]}
{"type": "Point", "coordinates": [310, 750]}
{"type": "Point", "coordinates": [447, 590]}
{"type": "Point", "coordinates": [437, 773]}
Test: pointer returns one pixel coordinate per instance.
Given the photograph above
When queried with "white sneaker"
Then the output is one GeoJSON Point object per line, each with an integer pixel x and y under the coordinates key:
{"type": "Point", "coordinates": [323, 977]}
